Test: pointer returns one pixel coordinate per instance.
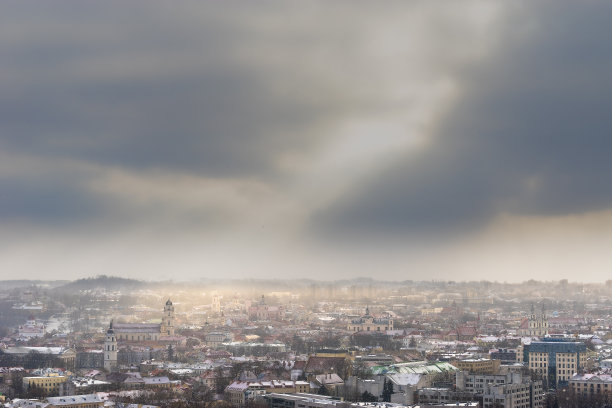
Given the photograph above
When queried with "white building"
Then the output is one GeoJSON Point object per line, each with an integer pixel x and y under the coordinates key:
{"type": "Point", "coordinates": [534, 325]}
{"type": "Point", "coordinates": [110, 349]}
{"type": "Point", "coordinates": [32, 329]}
{"type": "Point", "coordinates": [139, 332]}
{"type": "Point", "coordinates": [369, 323]}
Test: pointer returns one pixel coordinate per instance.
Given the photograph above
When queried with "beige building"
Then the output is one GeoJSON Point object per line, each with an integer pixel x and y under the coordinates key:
{"type": "Point", "coordinates": [556, 360]}
{"type": "Point", "coordinates": [77, 401]}
{"type": "Point", "coordinates": [51, 385]}
{"type": "Point", "coordinates": [32, 329]}
{"type": "Point", "coordinates": [239, 393]}
{"type": "Point", "coordinates": [520, 351]}
{"type": "Point", "coordinates": [215, 339]}
{"type": "Point", "coordinates": [523, 395]}
{"type": "Point", "coordinates": [534, 325]}
{"type": "Point", "coordinates": [262, 311]}
{"type": "Point", "coordinates": [66, 356]}
{"type": "Point", "coordinates": [591, 384]}
{"type": "Point", "coordinates": [538, 362]}
{"type": "Point", "coordinates": [215, 307]}
{"type": "Point", "coordinates": [511, 390]}
{"type": "Point", "coordinates": [478, 365]}
{"type": "Point", "coordinates": [167, 325]}
{"type": "Point", "coordinates": [369, 323]}
{"type": "Point", "coordinates": [567, 364]}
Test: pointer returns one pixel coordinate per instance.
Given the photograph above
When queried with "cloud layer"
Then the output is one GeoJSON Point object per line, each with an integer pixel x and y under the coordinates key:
{"type": "Point", "coordinates": [284, 138]}
{"type": "Point", "coordinates": [527, 135]}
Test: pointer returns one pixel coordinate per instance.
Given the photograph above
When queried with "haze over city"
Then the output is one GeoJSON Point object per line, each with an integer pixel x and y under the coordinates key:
{"type": "Point", "coordinates": [306, 140]}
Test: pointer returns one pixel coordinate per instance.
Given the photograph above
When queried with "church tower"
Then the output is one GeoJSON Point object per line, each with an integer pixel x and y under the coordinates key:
{"type": "Point", "coordinates": [110, 349]}
{"type": "Point", "coordinates": [167, 326]}
{"type": "Point", "coordinates": [216, 304]}
{"type": "Point", "coordinates": [538, 325]}
{"type": "Point", "coordinates": [543, 322]}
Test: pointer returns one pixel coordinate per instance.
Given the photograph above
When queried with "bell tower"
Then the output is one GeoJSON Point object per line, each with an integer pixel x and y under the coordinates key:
{"type": "Point", "coordinates": [110, 349]}
{"type": "Point", "coordinates": [216, 304]}
{"type": "Point", "coordinates": [538, 325]}
{"type": "Point", "coordinates": [167, 326]}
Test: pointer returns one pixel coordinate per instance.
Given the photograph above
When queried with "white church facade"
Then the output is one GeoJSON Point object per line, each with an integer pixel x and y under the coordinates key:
{"type": "Point", "coordinates": [138, 332]}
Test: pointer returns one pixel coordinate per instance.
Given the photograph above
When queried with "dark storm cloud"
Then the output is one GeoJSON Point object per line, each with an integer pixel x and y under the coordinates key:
{"type": "Point", "coordinates": [217, 90]}
{"type": "Point", "coordinates": [213, 90]}
{"type": "Point", "coordinates": [528, 134]}
{"type": "Point", "coordinates": [51, 198]}
{"type": "Point", "coordinates": [199, 89]}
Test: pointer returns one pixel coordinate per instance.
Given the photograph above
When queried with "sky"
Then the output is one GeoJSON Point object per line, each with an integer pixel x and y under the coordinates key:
{"type": "Point", "coordinates": [402, 140]}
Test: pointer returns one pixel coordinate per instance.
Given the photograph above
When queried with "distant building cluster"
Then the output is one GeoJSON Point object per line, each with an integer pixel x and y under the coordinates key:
{"type": "Point", "coordinates": [423, 344]}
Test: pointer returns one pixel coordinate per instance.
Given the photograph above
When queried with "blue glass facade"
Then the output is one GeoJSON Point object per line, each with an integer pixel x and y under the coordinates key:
{"type": "Point", "coordinates": [553, 346]}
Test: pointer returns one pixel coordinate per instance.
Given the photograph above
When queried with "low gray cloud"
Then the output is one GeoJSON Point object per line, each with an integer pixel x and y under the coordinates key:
{"type": "Point", "coordinates": [154, 130]}
{"type": "Point", "coordinates": [115, 87]}
{"type": "Point", "coordinates": [217, 90]}
{"type": "Point", "coordinates": [210, 88]}
{"type": "Point", "coordinates": [528, 134]}
{"type": "Point", "coordinates": [46, 200]}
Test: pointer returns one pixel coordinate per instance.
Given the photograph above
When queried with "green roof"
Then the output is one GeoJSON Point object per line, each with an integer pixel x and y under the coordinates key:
{"type": "Point", "coordinates": [419, 367]}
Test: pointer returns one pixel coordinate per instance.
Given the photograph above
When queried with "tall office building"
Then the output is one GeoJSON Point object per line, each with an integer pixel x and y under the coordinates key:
{"type": "Point", "coordinates": [556, 359]}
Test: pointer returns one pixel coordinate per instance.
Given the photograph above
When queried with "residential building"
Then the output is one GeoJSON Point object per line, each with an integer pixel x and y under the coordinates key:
{"type": "Point", "coordinates": [588, 385]}
{"type": "Point", "coordinates": [504, 355]}
{"type": "Point", "coordinates": [324, 365]}
{"type": "Point", "coordinates": [43, 355]}
{"type": "Point", "coordinates": [31, 329]}
{"type": "Point", "coordinates": [436, 396]}
{"type": "Point", "coordinates": [276, 400]}
{"type": "Point", "coordinates": [239, 393]}
{"type": "Point", "coordinates": [330, 381]}
{"type": "Point", "coordinates": [521, 395]}
{"type": "Point", "coordinates": [320, 401]}
{"type": "Point", "coordinates": [215, 339]}
{"type": "Point", "coordinates": [332, 353]}
{"type": "Point", "coordinates": [512, 390]}
{"type": "Point", "coordinates": [77, 401]}
{"type": "Point", "coordinates": [478, 365]}
{"type": "Point", "coordinates": [51, 385]}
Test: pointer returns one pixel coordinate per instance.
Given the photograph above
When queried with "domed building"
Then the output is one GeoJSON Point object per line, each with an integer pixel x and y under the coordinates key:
{"type": "Point", "coordinates": [369, 323]}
